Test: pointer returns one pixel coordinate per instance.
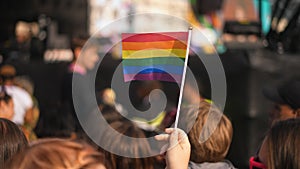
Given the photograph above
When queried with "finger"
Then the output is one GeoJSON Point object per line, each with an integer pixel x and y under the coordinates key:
{"type": "Point", "coordinates": [162, 137]}
{"type": "Point", "coordinates": [169, 130]}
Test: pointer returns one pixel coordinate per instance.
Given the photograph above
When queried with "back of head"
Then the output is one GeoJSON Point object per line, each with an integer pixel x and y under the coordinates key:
{"type": "Point", "coordinates": [286, 93]}
{"type": "Point", "coordinates": [12, 140]}
{"type": "Point", "coordinates": [210, 134]}
{"type": "Point", "coordinates": [283, 142]}
{"type": "Point", "coordinates": [119, 143]}
{"type": "Point", "coordinates": [108, 96]}
{"type": "Point", "coordinates": [58, 154]}
{"type": "Point", "coordinates": [22, 31]}
{"type": "Point", "coordinates": [83, 42]}
{"type": "Point", "coordinates": [7, 73]}
{"type": "Point", "coordinates": [25, 83]}
{"type": "Point", "coordinates": [78, 42]}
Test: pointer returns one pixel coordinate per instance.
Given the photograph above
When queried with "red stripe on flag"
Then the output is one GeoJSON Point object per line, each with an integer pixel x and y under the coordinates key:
{"type": "Point", "coordinates": [154, 37]}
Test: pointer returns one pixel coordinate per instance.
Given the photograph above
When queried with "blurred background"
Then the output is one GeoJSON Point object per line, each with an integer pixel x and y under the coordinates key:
{"type": "Point", "coordinates": [258, 42]}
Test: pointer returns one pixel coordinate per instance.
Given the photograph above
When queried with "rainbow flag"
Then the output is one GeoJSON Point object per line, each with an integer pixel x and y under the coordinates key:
{"type": "Point", "coordinates": [154, 56]}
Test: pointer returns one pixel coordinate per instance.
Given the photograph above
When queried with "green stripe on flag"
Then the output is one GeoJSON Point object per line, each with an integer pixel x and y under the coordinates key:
{"type": "Point", "coordinates": [154, 61]}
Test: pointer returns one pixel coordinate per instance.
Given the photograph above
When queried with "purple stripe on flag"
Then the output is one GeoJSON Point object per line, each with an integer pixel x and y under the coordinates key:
{"type": "Point", "coordinates": [154, 76]}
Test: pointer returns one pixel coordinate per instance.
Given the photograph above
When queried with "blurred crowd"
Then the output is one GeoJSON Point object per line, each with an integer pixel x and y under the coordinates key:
{"type": "Point", "coordinates": [202, 141]}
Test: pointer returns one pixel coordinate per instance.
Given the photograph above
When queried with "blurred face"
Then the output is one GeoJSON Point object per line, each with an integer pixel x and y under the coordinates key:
{"type": "Point", "coordinates": [7, 109]}
{"type": "Point", "coordinates": [260, 161]}
{"type": "Point", "coordinates": [88, 58]}
{"type": "Point", "coordinates": [282, 112]}
{"type": "Point", "coordinates": [263, 153]}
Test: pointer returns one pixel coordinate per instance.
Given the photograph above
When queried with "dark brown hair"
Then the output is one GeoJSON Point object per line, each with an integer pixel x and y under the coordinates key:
{"type": "Point", "coordinates": [12, 140]}
{"type": "Point", "coordinates": [119, 143]}
{"type": "Point", "coordinates": [283, 141]}
{"type": "Point", "coordinates": [110, 114]}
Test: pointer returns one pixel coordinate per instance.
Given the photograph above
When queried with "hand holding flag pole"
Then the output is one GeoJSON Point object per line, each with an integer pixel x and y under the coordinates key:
{"type": "Point", "coordinates": [183, 77]}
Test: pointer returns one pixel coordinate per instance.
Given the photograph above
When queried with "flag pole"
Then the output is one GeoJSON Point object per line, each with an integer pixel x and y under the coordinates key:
{"type": "Point", "coordinates": [183, 76]}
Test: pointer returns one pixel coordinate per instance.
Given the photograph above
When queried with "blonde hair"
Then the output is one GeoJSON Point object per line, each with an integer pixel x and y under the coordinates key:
{"type": "Point", "coordinates": [58, 154]}
{"type": "Point", "coordinates": [210, 134]}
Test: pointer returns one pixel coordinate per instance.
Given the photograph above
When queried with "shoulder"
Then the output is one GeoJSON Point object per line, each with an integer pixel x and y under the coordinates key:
{"type": "Point", "coordinates": [17, 90]}
{"type": "Point", "coordinates": [193, 165]}
{"type": "Point", "coordinates": [20, 94]}
{"type": "Point", "coordinates": [217, 165]}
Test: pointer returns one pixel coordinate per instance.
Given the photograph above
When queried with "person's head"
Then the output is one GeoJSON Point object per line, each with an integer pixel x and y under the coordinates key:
{"type": "Point", "coordinates": [108, 96]}
{"type": "Point", "coordinates": [58, 154]}
{"type": "Point", "coordinates": [280, 148]}
{"type": "Point", "coordinates": [77, 44]}
{"type": "Point", "coordinates": [6, 105]}
{"type": "Point", "coordinates": [85, 53]}
{"type": "Point", "coordinates": [12, 140]}
{"type": "Point", "coordinates": [7, 74]}
{"type": "Point", "coordinates": [120, 143]}
{"type": "Point", "coordinates": [209, 131]}
{"type": "Point", "coordinates": [286, 98]}
{"type": "Point", "coordinates": [25, 83]}
{"type": "Point", "coordinates": [22, 31]}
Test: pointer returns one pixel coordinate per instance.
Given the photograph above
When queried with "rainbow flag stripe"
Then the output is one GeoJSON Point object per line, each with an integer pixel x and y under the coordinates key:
{"type": "Point", "coordinates": [154, 56]}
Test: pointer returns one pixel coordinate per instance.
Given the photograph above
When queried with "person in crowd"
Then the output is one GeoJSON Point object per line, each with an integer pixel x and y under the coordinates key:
{"type": "Point", "coordinates": [190, 96]}
{"type": "Point", "coordinates": [143, 96]}
{"type": "Point", "coordinates": [286, 97]}
{"type": "Point", "coordinates": [108, 97]}
{"type": "Point", "coordinates": [25, 45]}
{"type": "Point", "coordinates": [55, 125]}
{"type": "Point", "coordinates": [78, 80]}
{"type": "Point", "coordinates": [32, 118]}
{"type": "Point", "coordinates": [58, 154]}
{"type": "Point", "coordinates": [178, 148]}
{"type": "Point", "coordinates": [6, 106]}
{"type": "Point", "coordinates": [110, 114]}
{"type": "Point", "coordinates": [280, 148]}
{"type": "Point", "coordinates": [210, 134]}
{"type": "Point", "coordinates": [22, 101]}
{"type": "Point", "coordinates": [12, 140]}
{"type": "Point", "coordinates": [119, 144]}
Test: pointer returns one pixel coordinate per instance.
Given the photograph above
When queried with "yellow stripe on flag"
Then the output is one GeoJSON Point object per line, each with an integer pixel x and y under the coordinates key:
{"type": "Point", "coordinates": [153, 53]}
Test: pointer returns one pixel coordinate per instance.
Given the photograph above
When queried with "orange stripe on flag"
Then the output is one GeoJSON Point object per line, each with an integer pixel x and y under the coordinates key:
{"type": "Point", "coordinates": [153, 53]}
{"type": "Point", "coordinates": [153, 45]}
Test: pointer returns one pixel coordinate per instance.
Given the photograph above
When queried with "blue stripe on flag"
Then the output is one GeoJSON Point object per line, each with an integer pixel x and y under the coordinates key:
{"type": "Point", "coordinates": [153, 69]}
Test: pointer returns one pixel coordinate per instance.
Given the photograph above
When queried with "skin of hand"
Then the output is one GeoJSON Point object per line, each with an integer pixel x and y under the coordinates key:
{"type": "Point", "coordinates": [178, 148]}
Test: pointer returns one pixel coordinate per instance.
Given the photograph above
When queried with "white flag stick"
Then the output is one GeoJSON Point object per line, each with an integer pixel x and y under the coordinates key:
{"type": "Point", "coordinates": [183, 76]}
